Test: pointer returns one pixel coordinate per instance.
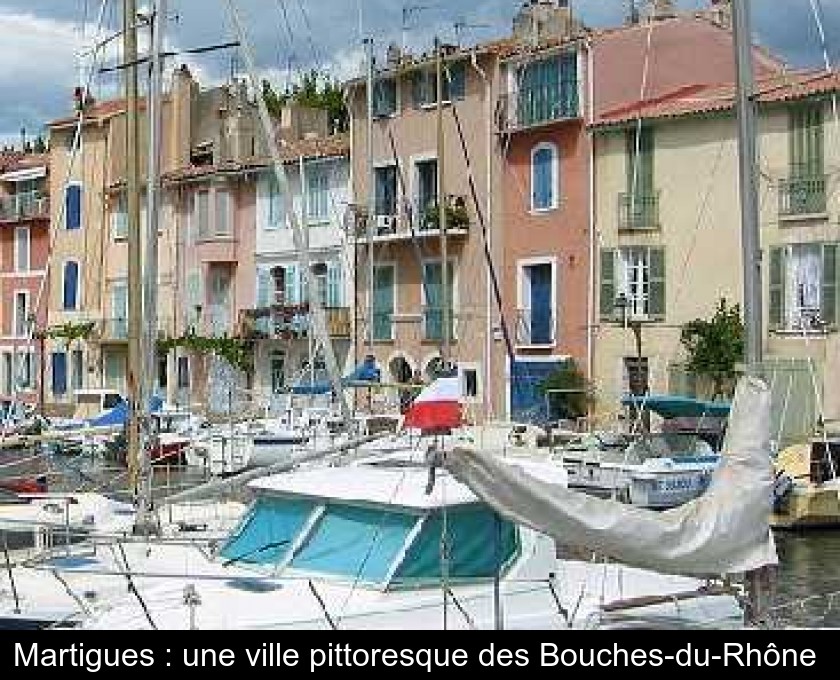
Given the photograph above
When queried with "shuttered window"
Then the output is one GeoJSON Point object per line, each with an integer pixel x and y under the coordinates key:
{"type": "Point", "coordinates": [73, 207]}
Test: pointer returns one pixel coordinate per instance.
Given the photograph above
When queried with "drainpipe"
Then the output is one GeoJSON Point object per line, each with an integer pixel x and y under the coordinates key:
{"type": "Point", "coordinates": [590, 305]}
{"type": "Point", "coordinates": [488, 343]}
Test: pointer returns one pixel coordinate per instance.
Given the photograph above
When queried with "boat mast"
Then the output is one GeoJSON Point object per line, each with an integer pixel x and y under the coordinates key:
{"type": "Point", "coordinates": [748, 158]}
{"type": "Point", "coordinates": [371, 183]}
{"type": "Point", "coordinates": [441, 200]}
{"type": "Point", "coordinates": [135, 291]}
{"type": "Point", "coordinates": [759, 581]}
{"type": "Point", "coordinates": [319, 320]}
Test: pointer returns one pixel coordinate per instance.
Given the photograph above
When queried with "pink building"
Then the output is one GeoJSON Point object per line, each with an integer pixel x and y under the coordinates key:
{"type": "Point", "coordinates": [24, 248]}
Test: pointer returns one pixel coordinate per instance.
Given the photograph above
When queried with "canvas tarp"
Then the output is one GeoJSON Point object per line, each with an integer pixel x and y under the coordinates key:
{"type": "Point", "coordinates": [724, 531]}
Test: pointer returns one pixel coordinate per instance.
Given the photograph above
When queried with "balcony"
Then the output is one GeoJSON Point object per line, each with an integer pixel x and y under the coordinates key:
{"type": "Point", "coordinates": [421, 220]}
{"type": "Point", "coordinates": [433, 324]}
{"type": "Point", "coordinates": [115, 331]}
{"type": "Point", "coordinates": [802, 196]}
{"type": "Point", "coordinates": [288, 322]}
{"type": "Point", "coordinates": [24, 206]}
{"type": "Point", "coordinates": [639, 211]}
{"type": "Point", "coordinates": [536, 106]}
{"type": "Point", "coordinates": [535, 328]}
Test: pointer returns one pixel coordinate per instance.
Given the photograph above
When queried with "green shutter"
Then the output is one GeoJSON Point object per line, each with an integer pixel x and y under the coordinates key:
{"type": "Point", "coordinates": [607, 284]}
{"type": "Point", "coordinates": [806, 142]}
{"type": "Point", "coordinates": [829, 285]}
{"type": "Point", "coordinates": [777, 288]}
{"type": "Point", "coordinates": [656, 305]}
{"type": "Point", "coordinates": [640, 178]}
{"type": "Point", "coordinates": [263, 288]}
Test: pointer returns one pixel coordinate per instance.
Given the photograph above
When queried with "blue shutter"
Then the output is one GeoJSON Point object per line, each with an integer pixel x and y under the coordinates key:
{"type": "Point", "coordinates": [73, 206]}
{"type": "Point", "coordinates": [542, 179]}
{"type": "Point", "coordinates": [290, 283]}
{"type": "Point", "coordinates": [334, 279]}
{"type": "Point", "coordinates": [59, 373]}
{"type": "Point", "coordinates": [71, 285]}
{"type": "Point", "coordinates": [263, 289]}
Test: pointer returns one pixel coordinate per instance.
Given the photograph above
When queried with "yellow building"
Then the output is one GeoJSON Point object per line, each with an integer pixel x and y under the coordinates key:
{"type": "Point", "coordinates": [668, 236]}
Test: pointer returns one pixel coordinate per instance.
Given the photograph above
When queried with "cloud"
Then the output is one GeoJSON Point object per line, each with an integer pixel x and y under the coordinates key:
{"type": "Point", "coordinates": [41, 39]}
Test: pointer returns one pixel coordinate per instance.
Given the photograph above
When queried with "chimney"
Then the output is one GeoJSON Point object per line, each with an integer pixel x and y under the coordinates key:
{"type": "Point", "coordinates": [720, 13]}
{"type": "Point", "coordinates": [542, 20]}
{"type": "Point", "coordinates": [394, 55]}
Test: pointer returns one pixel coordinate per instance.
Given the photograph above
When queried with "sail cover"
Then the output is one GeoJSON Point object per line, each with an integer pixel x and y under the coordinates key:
{"type": "Point", "coordinates": [724, 531]}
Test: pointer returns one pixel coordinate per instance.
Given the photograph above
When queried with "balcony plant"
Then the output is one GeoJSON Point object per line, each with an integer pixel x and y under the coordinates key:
{"type": "Point", "coordinates": [457, 216]}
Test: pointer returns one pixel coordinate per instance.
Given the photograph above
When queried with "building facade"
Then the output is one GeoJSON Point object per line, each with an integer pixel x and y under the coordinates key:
{"type": "Point", "coordinates": [317, 169]}
{"type": "Point", "coordinates": [24, 248]}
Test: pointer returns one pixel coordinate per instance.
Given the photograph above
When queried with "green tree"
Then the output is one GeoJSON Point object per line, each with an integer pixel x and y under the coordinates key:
{"type": "Point", "coordinates": [316, 90]}
{"type": "Point", "coordinates": [715, 347]}
{"type": "Point", "coordinates": [568, 392]}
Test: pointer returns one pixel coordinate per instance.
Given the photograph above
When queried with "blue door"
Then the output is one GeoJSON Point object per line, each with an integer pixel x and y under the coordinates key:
{"type": "Point", "coordinates": [541, 323]}
{"type": "Point", "coordinates": [528, 403]}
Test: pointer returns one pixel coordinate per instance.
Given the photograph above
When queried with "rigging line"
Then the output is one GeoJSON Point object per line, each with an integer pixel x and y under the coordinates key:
{"type": "Point", "coordinates": [132, 588]}
{"type": "Point", "coordinates": [408, 208]}
{"type": "Point", "coordinates": [74, 151]}
{"type": "Point", "coordinates": [488, 256]}
{"type": "Point", "coordinates": [316, 59]}
{"type": "Point", "coordinates": [373, 541]}
{"type": "Point", "coordinates": [817, 12]}
{"type": "Point", "coordinates": [286, 39]}
{"type": "Point", "coordinates": [284, 15]}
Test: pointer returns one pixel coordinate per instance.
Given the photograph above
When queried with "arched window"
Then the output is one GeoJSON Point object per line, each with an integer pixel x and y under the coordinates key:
{"type": "Point", "coordinates": [545, 176]}
{"type": "Point", "coordinates": [70, 288]}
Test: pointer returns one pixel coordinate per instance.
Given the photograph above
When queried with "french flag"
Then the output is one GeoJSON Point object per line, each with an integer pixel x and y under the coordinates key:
{"type": "Point", "coordinates": [438, 407]}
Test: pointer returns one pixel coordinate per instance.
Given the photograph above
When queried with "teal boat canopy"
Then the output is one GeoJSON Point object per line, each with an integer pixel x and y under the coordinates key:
{"type": "Point", "coordinates": [673, 406]}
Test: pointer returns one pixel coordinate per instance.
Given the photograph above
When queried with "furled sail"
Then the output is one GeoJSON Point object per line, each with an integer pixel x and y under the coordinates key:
{"type": "Point", "coordinates": [724, 531]}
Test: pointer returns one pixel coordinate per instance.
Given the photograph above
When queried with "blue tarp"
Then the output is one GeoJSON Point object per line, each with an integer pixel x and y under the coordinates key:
{"type": "Point", "coordinates": [118, 416]}
{"type": "Point", "coordinates": [672, 406]}
{"type": "Point", "coordinates": [365, 372]}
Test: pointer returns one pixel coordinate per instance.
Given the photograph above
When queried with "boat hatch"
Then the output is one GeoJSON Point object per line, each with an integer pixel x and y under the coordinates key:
{"type": "Point", "coordinates": [388, 546]}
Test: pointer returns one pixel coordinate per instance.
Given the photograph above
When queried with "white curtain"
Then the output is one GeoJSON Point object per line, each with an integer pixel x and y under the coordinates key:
{"type": "Point", "coordinates": [804, 285]}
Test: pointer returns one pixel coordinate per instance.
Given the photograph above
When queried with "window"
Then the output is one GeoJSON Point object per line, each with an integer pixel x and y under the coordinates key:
{"type": "Point", "coordinates": [536, 318]}
{"type": "Point", "coordinates": [183, 373]}
{"type": "Point", "coordinates": [119, 219]}
{"type": "Point", "coordinates": [432, 293]}
{"type": "Point", "coordinates": [24, 371]}
{"type": "Point", "coordinates": [73, 207]}
{"type": "Point", "coordinates": [804, 287]}
{"type": "Point", "coordinates": [544, 177]}
{"type": "Point", "coordinates": [163, 372]}
{"type": "Point", "coordinates": [633, 283]}
{"type": "Point", "coordinates": [547, 90]}
{"type": "Point", "coordinates": [385, 179]}
{"type": "Point", "coordinates": [70, 290]}
{"type": "Point", "coordinates": [77, 359]}
{"type": "Point", "coordinates": [276, 215]}
{"type": "Point", "coordinates": [424, 84]}
{"type": "Point", "coordinates": [317, 194]}
{"type": "Point", "coordinates": [640, 148]}
{"type": "Point", "coordinates": [22, 249]}
{"type": "Point", "coordinates": [385, 97]}
{"type": "Point", "coordinates": [21, 329]}
{"type": "Point", "coordinates": [804, 191]}
{"type": "Point", "coordinates": [59, 373]}
{"type": "Point", "coordinates": [224, 217]}
{"type": "Point", "coordinates": [8, 373]}
{"type": "Point", "coordinates": [469, 383]}
{"type": "Point", "coordinates": [383, 302]}
{"type": "Point", "coordinates": [278, 372]}
{"type": "Point", "coordinates": [202, 213]}
{"type": "Point", "coordinates": [425, 207]}
{"type": "Point", "coordinates": [119, 310]}
{"type": "Point", "coordinates": [115, 371]}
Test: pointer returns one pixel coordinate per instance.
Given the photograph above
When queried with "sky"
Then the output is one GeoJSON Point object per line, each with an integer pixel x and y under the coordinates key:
{"type": "Point", "coordinates": [42, 41]}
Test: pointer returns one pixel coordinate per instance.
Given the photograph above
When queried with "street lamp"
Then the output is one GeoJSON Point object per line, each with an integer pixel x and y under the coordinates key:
{"type": "Point", "coordinates": [637, 376]}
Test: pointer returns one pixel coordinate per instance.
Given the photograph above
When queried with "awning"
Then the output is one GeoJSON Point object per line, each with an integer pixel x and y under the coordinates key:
{"type": "Point", "coordinates": [672, 406]}
{"type": "Point", "coordinates": [24, 175]}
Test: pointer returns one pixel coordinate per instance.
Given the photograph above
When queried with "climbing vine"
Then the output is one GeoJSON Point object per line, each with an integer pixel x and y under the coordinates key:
{"type": "Point", "coordinates": [235, 351]}
{"type": "Point", "coordinates": [69, 332]}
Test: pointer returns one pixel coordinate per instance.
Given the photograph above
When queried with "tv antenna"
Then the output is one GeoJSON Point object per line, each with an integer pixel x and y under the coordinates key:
{"type": "Point", "coordinates": [409, 12]}
{"type": "Point", "coordinates": [462, 25]}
